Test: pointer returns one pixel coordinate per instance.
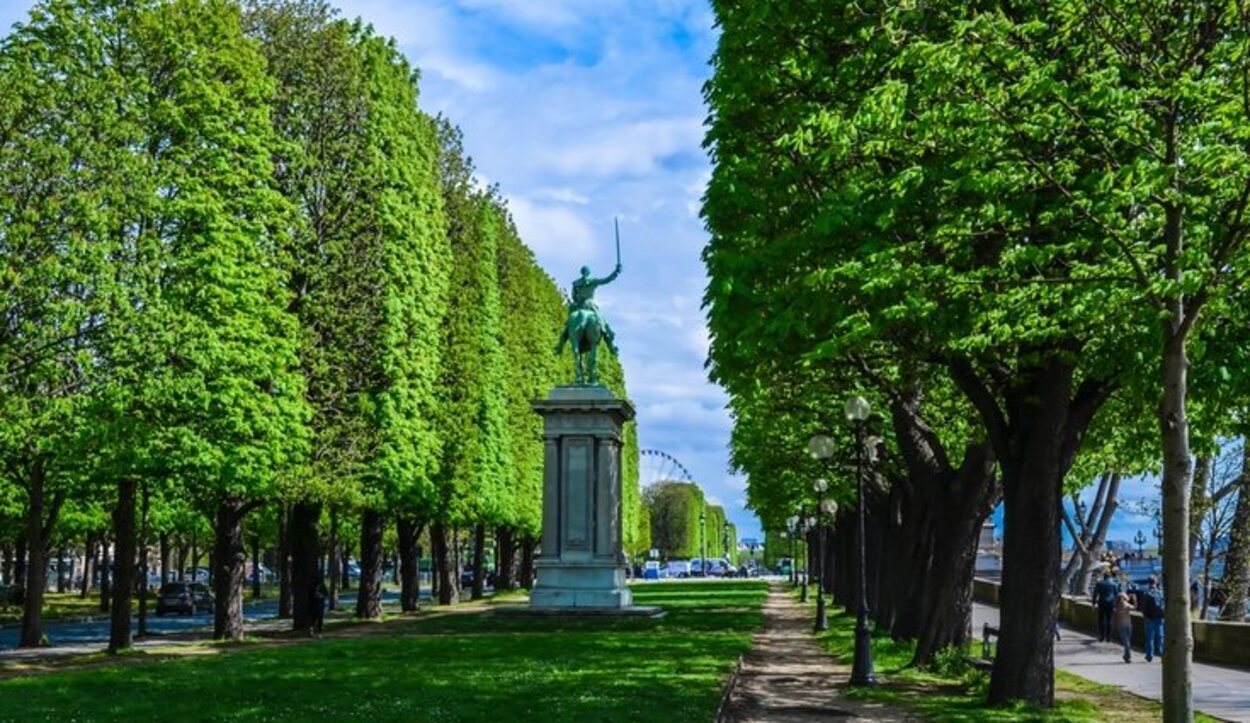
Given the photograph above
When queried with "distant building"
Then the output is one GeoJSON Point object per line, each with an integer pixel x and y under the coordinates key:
{"type": "Point", "coordinates": [989, 561]}
{"type": "Point", "coordinates": [987, 541]}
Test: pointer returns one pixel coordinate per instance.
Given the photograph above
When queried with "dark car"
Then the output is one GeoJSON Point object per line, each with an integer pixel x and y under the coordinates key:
{"type": "Point", "coordinates": [466, 578]}
{"type": "Point", "coordinates": [185, 598]}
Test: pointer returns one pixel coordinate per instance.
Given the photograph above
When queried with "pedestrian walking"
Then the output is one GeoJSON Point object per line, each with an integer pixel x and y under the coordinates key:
{"type": "Point", "coordinates": [1150, 603]}
{"type": "Point", "coordinates": [1122, 621]}
{"type": "Point", "coordinates": [1104, 598]}
{"type": "Point", "coordinates": [319, 598]}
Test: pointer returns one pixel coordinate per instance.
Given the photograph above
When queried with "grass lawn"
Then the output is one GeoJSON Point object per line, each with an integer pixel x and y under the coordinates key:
{"type": "Point", "coordinates": [955, 692]}
{"type": "Point", "coordinates": [472, 666]}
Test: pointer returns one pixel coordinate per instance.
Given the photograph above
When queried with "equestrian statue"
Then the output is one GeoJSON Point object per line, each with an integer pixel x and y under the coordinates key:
{"type": "Point", "coordinates": [585, 326]}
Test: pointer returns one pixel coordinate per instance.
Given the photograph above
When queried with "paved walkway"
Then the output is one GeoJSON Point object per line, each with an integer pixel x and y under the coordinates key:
{"type": "Point", "coordinates": [1220, 692]}
{"type": "Point", "coordinates": [788, 678]}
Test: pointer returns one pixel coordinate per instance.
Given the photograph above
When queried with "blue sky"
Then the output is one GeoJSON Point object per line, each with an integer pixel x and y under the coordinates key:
{"type": "Point", "coordinates": [582, 110]}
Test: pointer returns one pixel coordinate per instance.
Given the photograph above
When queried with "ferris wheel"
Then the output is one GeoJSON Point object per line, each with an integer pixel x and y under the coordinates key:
{"type": "Point", "coordinates": [657, 466]}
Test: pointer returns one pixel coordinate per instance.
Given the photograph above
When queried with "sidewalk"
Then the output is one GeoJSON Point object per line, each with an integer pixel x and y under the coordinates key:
{"type": "Point", "coordinates": [1220, 692]}
{"type": "Point", "coordinates": [787, 677]}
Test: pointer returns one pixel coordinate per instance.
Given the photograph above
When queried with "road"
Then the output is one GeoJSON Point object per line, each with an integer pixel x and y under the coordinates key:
{"type": "Point", "coordinates": [1220, 692]}
{"type": "Point", "coordinates": [97, 630]}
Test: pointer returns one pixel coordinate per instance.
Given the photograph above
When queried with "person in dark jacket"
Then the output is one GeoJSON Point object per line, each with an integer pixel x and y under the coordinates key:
{"type": "Point", "coordinates": [1150, 603]}
{"type": "Point", "coordinates": [1104, 597]}
{"type": "Point", "coordinates": [320, 597]}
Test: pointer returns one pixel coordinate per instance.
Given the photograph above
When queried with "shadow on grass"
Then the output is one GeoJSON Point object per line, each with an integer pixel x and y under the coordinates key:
{"type": "Point", "coordinates": [955, 693]}
{"type": "Point", "coordinates": [480, 667]}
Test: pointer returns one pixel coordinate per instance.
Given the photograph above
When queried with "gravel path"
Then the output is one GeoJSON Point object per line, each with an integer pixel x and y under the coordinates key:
{"type": "Point", "coordinates": [788, 678]}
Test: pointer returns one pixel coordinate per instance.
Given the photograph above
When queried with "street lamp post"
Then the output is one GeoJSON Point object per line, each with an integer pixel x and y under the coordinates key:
{"type": "Point", "coordinates": [794, 580]}
{"type": "Point", "coordinates": [803, 527]}
{"type": "Point", "coordinates": [862, 674]}
{"type": "Point", "coordinates": [1140, 539]}
{"type": "Point", "coordinates": [821, 448]}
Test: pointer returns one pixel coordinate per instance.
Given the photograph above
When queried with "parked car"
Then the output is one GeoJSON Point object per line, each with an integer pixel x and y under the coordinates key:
{"type": "Point", "coordinates": [466, 578]}
{"type": "Point", "coordinates": [651, 570]}
{"type": "Point", "coordinates": [677, 568]}
{"type": "Point", "coordinates": [184, 598]}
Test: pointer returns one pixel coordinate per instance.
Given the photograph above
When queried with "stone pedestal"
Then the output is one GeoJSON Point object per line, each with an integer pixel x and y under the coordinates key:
{"type": "Point", "coordinates": [581, 565]}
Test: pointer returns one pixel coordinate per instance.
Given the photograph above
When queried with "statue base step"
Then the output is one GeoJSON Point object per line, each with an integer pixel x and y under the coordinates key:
{"type": "Point", "coordinates": [633, 611]}
{"type": "Point", "coordinates": [576, 584]}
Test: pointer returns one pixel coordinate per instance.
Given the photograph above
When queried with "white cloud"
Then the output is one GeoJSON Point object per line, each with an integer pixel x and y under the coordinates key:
{"type": "Point", "coordinates": [630, 149]}
{"type": "Point", "coordinates": [562, 195]}
{"type": "Point", "coordinates": [554, 231]}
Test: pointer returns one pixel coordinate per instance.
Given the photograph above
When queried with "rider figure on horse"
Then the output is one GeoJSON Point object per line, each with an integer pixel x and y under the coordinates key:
{"type": "Point", "coordinates": [584, 298]}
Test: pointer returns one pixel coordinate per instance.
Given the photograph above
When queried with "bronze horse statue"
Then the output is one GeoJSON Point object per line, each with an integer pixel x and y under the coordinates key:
{"type": "Point", "coordinates": [585, 328]}
{"type": "Point", "coordinates": [583, 331]}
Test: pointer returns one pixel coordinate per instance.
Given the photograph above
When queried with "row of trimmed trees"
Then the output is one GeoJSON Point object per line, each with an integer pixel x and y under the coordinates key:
{"type": "Point", "coordinates": [251, 296]}
{"type": "Point", "coordinates": [675, 510]}
{"type": "Point", "coordinates": [1021, 232]}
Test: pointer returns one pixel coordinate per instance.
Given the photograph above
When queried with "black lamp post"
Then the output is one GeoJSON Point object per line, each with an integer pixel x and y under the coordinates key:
{"type": "Point", "coordinates": [806, 575]}
{"type": "Point", "coordinates": [793, 523]}
{"type": "Point", "coordinates": [703, 539]}
{"type": "Point", "coordinates": [794, 580]}
{"type": "Point", "coordinates": [862, 674]}
{"type": "Point", "coordinates": [821, 448]}
{"type": "Point", "coordinates": [1140, 539]}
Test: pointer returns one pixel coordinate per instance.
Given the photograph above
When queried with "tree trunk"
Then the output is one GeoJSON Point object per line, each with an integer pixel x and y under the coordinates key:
{"type": "Point", "coordinates": [345, 564]}
{"type": "Point", "coordinates": [256, 567]}
{"type": "Point", "coordinates": [505, 576]}
{"type": "Point", "coordinates": [948, 615]}
{"type": "Point", "coordinates": [369, 595]}
{"type": "Point", "coordinates": [1236, 582]}
{"type": "Point", "coordinates": [61, 582]}
{"type": "Point", "coordinates": [88, 566]}
{"type": "Point", "coordinates": [408, 529]}
{"type": "Point", "coordinates": [448, 581]}
{"type": "Point", "coordinates": [335, 569]}
{"type": "Point", "coordinates": [142, 563]}
{"type": "Point", "coordinates": [1024, 666]}
{"type": "Point", "coordinates": [479, 557]}
{"type": "Point", "coordinates": [165, 555]}
{"type": "Point", "coordinates": [229, 561]}
{"type": "Point", "coordinates": [1178, 644]}
{"type": "Point", "coordinates": [1036, 433]}
{"type": "Point", "coordinates": [6, 564]}
{"type": "Point", "coordinates": [304, 543]}
{"type": "Point", "coordinates": [1076, 579]}
{"type": "Point", "coordinates": [284, 563]}
{"type": "Point", "coordinates": [106, 576]}
{"type": "Point", "coordinates": [36, 551]}
{"type": "Point", "coordinates": [1199, 501]}
{"type": "Point", "coordinates": [183, 553]}
{"type": "Point", "coordinates": [528, 543]}
{"type": "Point", "coordinates": [123, 583]}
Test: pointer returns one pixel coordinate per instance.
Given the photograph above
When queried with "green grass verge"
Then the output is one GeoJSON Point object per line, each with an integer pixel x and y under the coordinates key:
{"type": "Point", "coordinates": [954, 692]}
{"type": "Point", "coordinates": [475, 666]}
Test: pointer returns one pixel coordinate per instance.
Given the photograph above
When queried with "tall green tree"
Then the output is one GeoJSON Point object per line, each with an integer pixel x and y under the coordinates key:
{"type": "Point", "coordinates": [196, 347]}
{"type": "Point", "coordinates": [476, 450]}
{"type": "Point", "coordinates": [54, 280]}
{"type": "Point", "coordinates": [321, 112]}
{"type": "Point", "coordinates": [529, 333]}
{"type": "Point", "coordinates": [410, 271]}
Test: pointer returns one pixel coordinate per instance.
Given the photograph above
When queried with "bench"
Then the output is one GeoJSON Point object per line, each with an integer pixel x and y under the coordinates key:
{"type": "Point", "coordinates": [986, 661]}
